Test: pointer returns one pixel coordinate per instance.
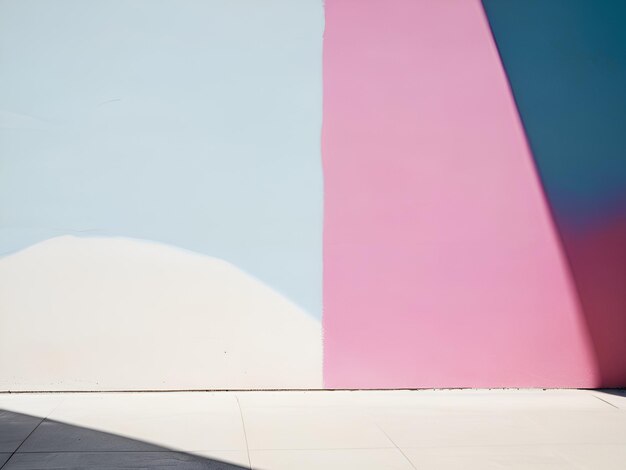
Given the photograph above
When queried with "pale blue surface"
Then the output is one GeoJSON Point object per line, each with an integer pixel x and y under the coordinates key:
{"type": "Point", "coordinates": [193, 123]}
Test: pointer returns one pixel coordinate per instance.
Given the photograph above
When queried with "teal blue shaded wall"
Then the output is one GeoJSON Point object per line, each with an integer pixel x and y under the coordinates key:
{"type": "Point", "coordinates": [566, 64]}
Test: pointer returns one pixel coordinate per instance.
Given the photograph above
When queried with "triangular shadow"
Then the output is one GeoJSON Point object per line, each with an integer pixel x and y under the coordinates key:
{"type": "Point", "coordinates": [33, 443]}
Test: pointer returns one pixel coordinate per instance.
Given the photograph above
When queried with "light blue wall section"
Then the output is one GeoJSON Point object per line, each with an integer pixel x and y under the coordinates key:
{"type": "Point", "coordinates": [193, 123]}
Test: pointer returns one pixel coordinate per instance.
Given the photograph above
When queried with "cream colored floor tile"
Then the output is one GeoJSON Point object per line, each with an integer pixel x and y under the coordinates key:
{"type": "Point", "coordinates": [324, 398]}
{"type": "Point", "coordinates": [430, 399]}
{"type": "Point", "coordinates": [582, 427]}
{"type": "Point", "coordinates": [512, 400]}
{"type": "Point", "coordinates": [487, 458]}
{"type": "Point", "coordinates": [595, 457]}
{"type": "Point", "coordinates": [179, 421]}
{"type": "Point", "coordinates": [311, 428]}
{"type": "Point", "coordinates": [418, 428]}
{"type": "Point", "coordinates": [337, 459]}
{"type": "Point", "coordinates": [497, 400]}
{"type": "Point", "coordinates": [313, 398]}
{"type": "Point", "coordinates": [501, 429]}
{"type": "Point", "coordinates": [34, 404]}
{"type": "Point", "coordinates": [616, 398]}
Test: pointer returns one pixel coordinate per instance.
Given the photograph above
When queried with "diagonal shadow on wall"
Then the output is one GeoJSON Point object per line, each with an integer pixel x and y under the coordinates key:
{"type": "Point", "coordinates": [33, 443]}
{"type": "Point", "coordinates": [566, 64]}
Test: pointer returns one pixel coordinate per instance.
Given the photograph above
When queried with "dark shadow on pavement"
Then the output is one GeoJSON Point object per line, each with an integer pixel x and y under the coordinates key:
{"type": "Point", "coordinates": [619, 392]}
{"type": "Point", "coordinates": [33, 443]}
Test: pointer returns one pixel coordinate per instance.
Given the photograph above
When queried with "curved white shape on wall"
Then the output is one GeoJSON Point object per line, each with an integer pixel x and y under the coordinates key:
{"type": "Point", "coordinates": [124, 314]}
{"type": "Point", "coordinates": [191, 123]}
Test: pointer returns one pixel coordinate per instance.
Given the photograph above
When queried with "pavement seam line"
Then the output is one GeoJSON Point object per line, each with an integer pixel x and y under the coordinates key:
{"type": "Point", "coordinates": [607, 402]}
{"type": "Point", "coordinates": [30, 433]}
{"type": "Point", "coordinates": [22, 443]}
{"type": "Point", "coordinates": [245, 435]}
{"type": "Point", "coordinates": [397, 447]}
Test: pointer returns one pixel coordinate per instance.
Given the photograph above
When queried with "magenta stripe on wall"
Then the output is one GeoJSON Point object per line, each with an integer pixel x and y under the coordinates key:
{"type": "Point", "coordinates": [442, 267]}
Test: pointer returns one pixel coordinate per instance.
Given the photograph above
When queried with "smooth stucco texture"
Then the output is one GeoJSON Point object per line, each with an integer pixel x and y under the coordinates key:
{"type": "Point", "coordinates": [192, 123]}
{"type": "Point", "coordinates": [442, 266]}
{"type": "Point", "coordinates": [118, 314]}
{"type": "Point", "coordinates": [566, 61]}
{"type": "Point", "coordinates": [176, 188]}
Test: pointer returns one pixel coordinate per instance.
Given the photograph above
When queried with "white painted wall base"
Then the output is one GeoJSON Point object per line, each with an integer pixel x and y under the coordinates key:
{"type": "Point", "coordinates": [120, 314]}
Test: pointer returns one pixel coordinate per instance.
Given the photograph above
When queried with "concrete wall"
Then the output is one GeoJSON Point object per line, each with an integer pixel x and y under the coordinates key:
{"type": "Point", "coordinates": [449, 261]}
{"type": "Point", "coordinates": [160, 194]}
{"type": "Point", "coordinates": [442, 264]}
{"type": "Point", "coordinates": [179, 180]}
{"type": "Point", "coordinates": [566, 62]}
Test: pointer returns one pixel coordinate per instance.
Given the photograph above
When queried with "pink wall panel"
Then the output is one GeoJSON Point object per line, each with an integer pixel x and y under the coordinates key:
{"type": "Point", "coordinates": [442, 267]}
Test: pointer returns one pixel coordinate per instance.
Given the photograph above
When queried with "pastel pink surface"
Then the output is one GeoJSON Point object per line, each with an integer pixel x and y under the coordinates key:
{"type": "Point", "coordinates": [442, 267]}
